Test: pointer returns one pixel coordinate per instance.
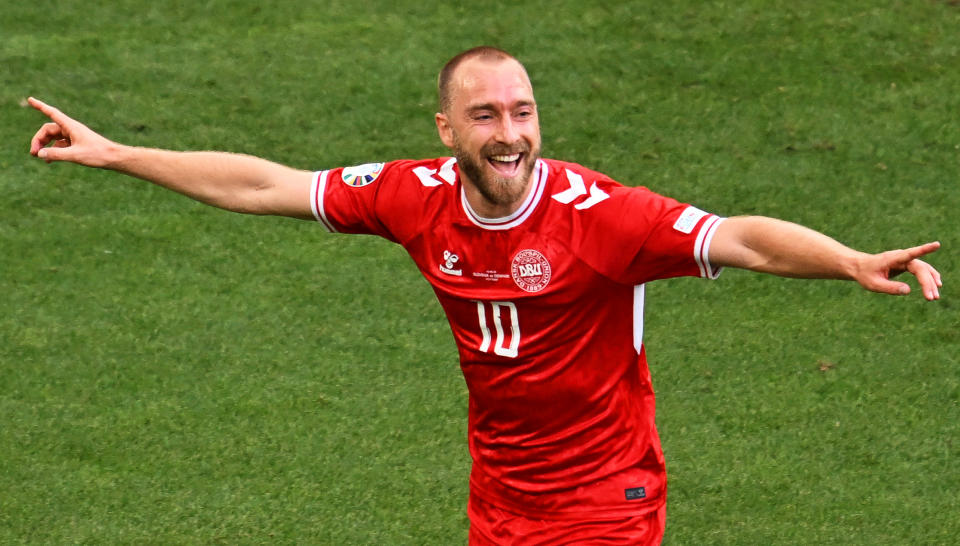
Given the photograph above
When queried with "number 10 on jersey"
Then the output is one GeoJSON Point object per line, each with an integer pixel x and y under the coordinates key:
{"type": "Point", "coordinates": [506, 342]}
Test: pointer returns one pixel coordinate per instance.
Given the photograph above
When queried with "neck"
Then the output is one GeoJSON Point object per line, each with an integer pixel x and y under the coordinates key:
{"type": "Point", "coordinates": [494, 206]}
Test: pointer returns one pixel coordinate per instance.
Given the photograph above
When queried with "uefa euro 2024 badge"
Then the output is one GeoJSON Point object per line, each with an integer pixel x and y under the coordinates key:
{"type": "Point", "coordinates": [361, 175]}
{"type": "Point", "coordinates": [530, 270]}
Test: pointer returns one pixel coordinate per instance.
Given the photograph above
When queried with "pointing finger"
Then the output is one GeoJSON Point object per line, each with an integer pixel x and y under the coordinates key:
{"type": "Point", "coordinates": [900, 260]}
{"type": "Point", "coordinates": [49, 111]}
{"type": "Point", "coordinates": [922, 250]}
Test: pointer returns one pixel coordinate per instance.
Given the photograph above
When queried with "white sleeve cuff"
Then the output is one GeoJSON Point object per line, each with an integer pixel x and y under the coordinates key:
{"type": "Point", "coordinates": [701, 250]}
{"type": "Point", "coordinates": [317, 190]}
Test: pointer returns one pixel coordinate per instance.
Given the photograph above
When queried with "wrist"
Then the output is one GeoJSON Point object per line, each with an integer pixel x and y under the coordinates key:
{"type": "Point", "coordinates": [117, 157]}
{"type": "Point", "coordinates": [855, 265]}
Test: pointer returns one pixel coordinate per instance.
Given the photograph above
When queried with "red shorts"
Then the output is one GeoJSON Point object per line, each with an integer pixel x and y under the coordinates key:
{"type": "Point", "coordinates": [492, 526]}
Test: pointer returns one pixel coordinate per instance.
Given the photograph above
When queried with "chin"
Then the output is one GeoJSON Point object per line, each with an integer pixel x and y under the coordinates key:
{"type": "Point", "coordinates": [501, 190]}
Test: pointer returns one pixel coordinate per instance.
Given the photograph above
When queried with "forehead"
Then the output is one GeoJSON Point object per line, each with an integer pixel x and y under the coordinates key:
{"type": "Point", "coordinates": [479, 81]}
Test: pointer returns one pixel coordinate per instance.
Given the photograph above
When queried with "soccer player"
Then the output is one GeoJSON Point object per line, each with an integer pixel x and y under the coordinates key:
{"type": "Point", "coordinates": [540, 266]}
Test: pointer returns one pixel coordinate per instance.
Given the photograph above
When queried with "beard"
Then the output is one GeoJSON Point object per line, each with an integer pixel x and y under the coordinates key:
{"type": "Point", "coordinates": [495, 188]}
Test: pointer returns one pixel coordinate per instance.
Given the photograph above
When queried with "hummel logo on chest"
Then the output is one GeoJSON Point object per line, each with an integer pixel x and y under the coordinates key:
{"type": "Point", "coordinates": [449, 262]}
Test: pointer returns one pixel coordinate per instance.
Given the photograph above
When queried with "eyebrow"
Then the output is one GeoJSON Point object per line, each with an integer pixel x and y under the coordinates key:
{"type": "Point", "coordinates": [491, 106]}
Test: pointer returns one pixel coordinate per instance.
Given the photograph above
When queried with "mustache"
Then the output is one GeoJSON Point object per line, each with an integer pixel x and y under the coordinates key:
{"type": "Point", "coordinates": [501, 149]}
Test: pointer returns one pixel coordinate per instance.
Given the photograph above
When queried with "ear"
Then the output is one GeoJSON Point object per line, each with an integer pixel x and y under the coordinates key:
{"type": "Point", "coordinates": [444, 129]}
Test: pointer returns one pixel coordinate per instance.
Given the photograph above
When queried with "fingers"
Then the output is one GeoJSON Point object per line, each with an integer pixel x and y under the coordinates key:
{"type": "Point", "coordinates": [928, 277]}
{"type": "Point", "coordinates": [882, 266]}
{"type": "Point", "coordinates": [49, 132]}
{"type": "Point", "coordinates": [60, 131]}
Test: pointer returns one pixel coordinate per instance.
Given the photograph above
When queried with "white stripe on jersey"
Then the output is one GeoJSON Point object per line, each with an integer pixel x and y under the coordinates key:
{"type": "Point", "coordinates": [638, 296]}
{"type": "Point", "coordinates": [316, 200]}
{"type": "Point", "coordinates": [701, 250]}
{"type": "Point", "coordinates": [539, 177]}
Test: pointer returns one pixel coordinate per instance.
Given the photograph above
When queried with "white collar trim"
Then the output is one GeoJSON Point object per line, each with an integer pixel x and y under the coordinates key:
{"type": "Point", "coordinates": [539, 179]}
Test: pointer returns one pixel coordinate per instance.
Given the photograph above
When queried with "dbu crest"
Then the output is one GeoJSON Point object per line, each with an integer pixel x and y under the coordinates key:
{"type": "Point", "coordinates": [530, 270]}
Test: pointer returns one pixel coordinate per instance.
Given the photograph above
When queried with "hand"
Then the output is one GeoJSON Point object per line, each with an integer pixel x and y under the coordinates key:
{"type": "Point", "coordinates": [876, 270]}
{"type": "Point", "coordinates": [72, 140]}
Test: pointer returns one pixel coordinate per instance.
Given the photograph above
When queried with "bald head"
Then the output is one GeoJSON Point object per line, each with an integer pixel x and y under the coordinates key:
{"type": "Point", "coordinates": [445, 82]}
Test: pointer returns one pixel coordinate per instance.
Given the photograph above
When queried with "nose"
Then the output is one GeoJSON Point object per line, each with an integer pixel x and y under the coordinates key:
{"type": "Point", "coordinates": [507, 131]}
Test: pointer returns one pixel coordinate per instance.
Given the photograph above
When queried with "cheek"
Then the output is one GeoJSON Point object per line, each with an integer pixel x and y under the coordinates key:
{"type": "Point", "coordinates": [474, 141]}
{"type": "Point", "coordinates": [535, 140]}
{"type": "Point", "coordinates": [534, 131]}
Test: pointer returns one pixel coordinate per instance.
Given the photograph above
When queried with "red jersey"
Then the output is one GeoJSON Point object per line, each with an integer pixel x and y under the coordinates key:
{"type": "Point", "coordinates": [546, 307]}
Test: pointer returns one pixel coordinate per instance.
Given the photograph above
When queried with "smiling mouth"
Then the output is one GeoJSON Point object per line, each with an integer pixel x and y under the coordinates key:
{"type": "Point", "coordinates": [506, 165]}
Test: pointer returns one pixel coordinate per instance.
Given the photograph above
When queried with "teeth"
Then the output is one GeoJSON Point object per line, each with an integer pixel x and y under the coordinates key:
{"type": "Point", "coordinates": [506, 158]}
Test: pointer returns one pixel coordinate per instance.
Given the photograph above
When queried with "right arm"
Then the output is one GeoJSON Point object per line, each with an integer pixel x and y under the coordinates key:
{"type": "Point", "coordinates": [235, 182]}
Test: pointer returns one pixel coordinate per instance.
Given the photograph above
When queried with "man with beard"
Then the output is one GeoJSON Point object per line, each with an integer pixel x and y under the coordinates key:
{"type": "Point", "coordinates": [540, 266]}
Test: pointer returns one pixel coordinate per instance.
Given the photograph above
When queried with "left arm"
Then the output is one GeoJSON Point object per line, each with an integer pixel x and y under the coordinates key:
{"type": "Point", "coordinates": [773, 246]}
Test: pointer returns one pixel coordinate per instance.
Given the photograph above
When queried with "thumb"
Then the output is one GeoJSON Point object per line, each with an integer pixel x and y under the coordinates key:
{"type": "Point", "coordinates": [54, 153]}
{"type": "Point", "coordinates": [893, 288]}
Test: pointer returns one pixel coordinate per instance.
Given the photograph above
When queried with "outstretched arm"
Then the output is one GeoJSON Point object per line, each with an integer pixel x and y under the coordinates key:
{"type": "Point", "coordinates": [782, 248]}
{"type": "Point", "coordinates": [236, 182]}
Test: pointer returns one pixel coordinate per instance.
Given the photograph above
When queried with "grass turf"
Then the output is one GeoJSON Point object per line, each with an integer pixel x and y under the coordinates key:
{"type": "Point", "coordinates": [169, 373]}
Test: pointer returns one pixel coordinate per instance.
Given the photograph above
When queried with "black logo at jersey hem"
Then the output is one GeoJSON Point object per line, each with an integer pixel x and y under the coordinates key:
{"type": "Point", "coordinates": [635, 493]}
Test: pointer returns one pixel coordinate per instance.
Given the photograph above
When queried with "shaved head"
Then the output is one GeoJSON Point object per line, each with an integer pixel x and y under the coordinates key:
{"type": "Point", "coordinates": [484, 53]}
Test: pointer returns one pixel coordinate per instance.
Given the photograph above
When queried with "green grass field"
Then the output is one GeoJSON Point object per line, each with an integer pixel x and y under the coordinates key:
{"type": "Point", "coordinates": [173, 374]}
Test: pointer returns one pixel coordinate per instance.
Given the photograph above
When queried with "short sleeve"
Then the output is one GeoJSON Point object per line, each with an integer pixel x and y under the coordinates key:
{"type": "Point", "coordinates": [385, 199]}
{"type": "Point", "coordinates": [637, 235]}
